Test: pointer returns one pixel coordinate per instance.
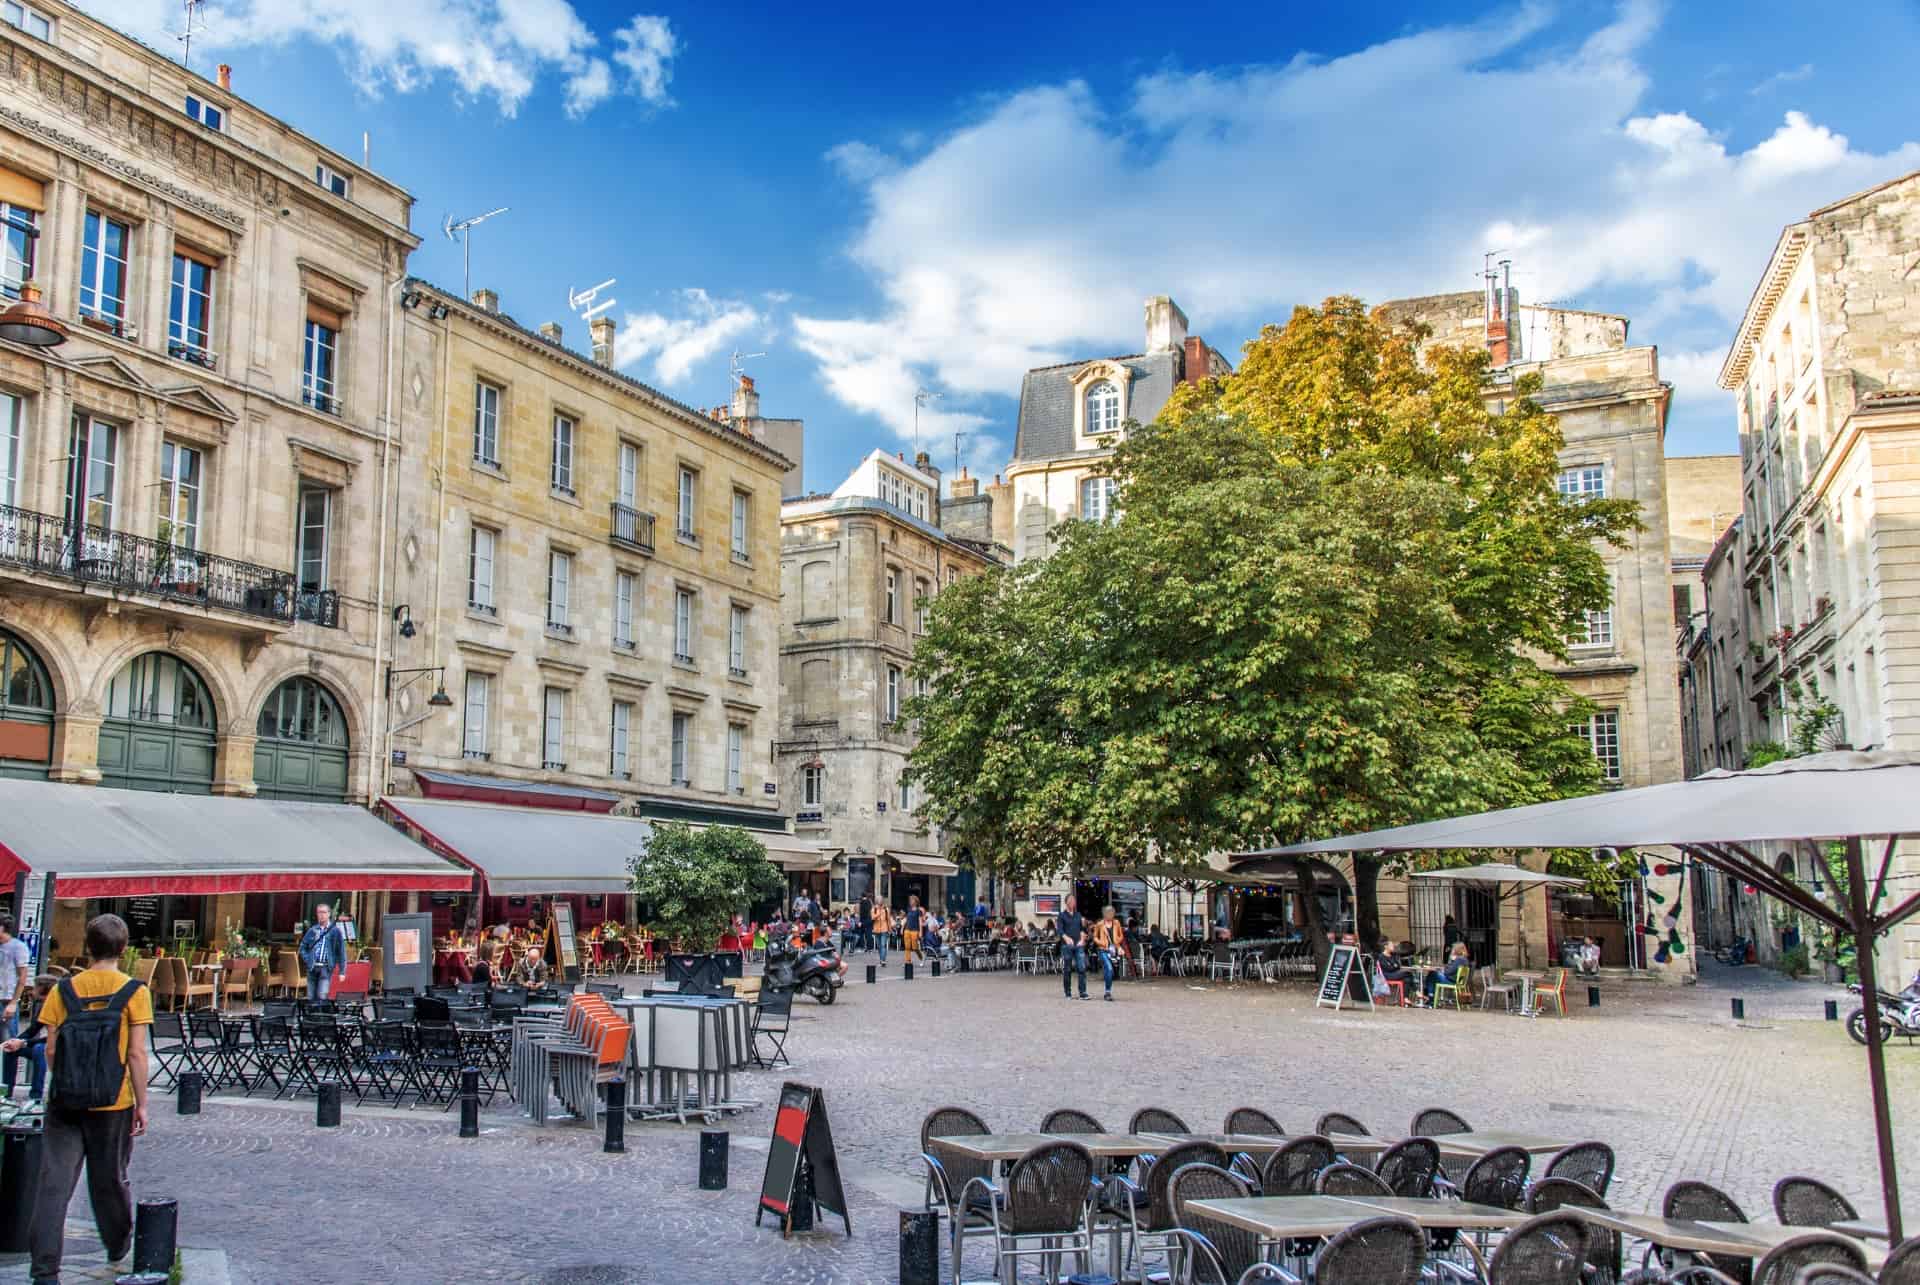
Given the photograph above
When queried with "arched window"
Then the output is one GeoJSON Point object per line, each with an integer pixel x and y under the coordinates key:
{"type": "Point", "coordinates": [300, 709]}
{"type": "Point", "coordinates": [158, 688]}
{"type": "Point", "coordinates": [24, 684]}
{"type": "Point", "coordinates": [1103, 408]}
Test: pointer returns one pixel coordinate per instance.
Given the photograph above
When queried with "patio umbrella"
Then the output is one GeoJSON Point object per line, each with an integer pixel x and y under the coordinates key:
{"type": "Point", "coordinates": [1846, 796]}
{"type": "Point", "coordinates": [1506, 880]}
{"type": "Point", "coordinates": [1170, 876]}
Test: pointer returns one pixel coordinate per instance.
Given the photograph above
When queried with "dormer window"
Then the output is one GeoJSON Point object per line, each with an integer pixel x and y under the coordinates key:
{"type": "Point", "coordinates": [204, 112]}
{"type": "Point", "coordinates": [330, 179]}
{"type": "Point", "coordinates": [1103, 408]}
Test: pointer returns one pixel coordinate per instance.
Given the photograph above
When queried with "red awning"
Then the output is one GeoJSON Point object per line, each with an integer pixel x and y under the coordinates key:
{"type": "Point", "coordinates": [467, 788]}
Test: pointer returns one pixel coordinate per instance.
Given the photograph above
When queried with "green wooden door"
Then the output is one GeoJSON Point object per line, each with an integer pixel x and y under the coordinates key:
{"type": "Point", "coordinates": [302, 750]}
{"type": "Point", "coordinates": [159, 730]}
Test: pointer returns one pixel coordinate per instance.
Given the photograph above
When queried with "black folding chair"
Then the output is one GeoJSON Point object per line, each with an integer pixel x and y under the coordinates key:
{"type": "Point", "coordinates": [388, 1059]}
{"type": "Point", "coordinates": [274, 1057]}
{"type": "Point", "coordinates": [169, 1051]}
{"type": "Point", "coordinates": [438, 1060]}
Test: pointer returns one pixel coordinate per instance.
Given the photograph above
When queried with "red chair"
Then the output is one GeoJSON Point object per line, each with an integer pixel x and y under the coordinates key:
{"type": "Point", "coordinates": [354, 981]}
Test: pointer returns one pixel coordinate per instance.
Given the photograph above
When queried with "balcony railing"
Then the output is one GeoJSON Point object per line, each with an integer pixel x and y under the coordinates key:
{"type": "Point", "coordinates": [134, 564]}
{"type": "Point", "coordinates": [631, 527]}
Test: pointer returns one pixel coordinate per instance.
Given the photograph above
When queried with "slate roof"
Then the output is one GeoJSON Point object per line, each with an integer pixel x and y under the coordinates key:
{"type": "Point", "coordinates": [1046, 401]}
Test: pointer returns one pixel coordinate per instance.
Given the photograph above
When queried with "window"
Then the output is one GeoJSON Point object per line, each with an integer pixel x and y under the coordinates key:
{"type": "Point", "coordinates": [893, 597]}
{"type": "Point", "coordinates": [327, 177]}
{"type": "Point", "coordinates": [316, 521]}
{"type": "Point", "coordinates": [677, 749]}
{"type": "Point", "coordinates": [553, 738]}
{"type": "Point", "coordinates": [17, 256]}
{"type": "Point", "coordinates": [1587, 482]}
{"type": "Point", "coordinates": [473, 737]}
{"type": "Point", "coordinates": [683, 626]}
{"type": "Point", "coordinates": [683, 510]}
{"type": "Point", "coordinates": [206, 113]}
{"type": "Point", "coordinates": [318, 363]}
{"type": "Point", "coordinates": [1103, 408]}
{"type": "Point", "coordinates": [922, 593]}
{"type": "Point", "coordinates": [627, 482]}
{"type": "Point", "coordinates": [563, 454]}
{"type": "Point", "coordinates": [892, 708]}
{"type": "Point", "coordinates": [1096, 500]}
{"type": "Point", "coordinates": [906, 796]}
{"type": "Point", "coordinates": [623, 583]}
{"type": "Point", "coordinates": [619, 734]}
{"type": "Point", "coordinates": [480, 569]}
{"type": "Point", "coordinates": [736, 743]}
{"type": "Point", "coordinates": [9, 449]}
{"type": "Point", "coordinates": [737, 642]}
{"type": "Point", "coordinates": [812, 785]}
{"type": "Point", "coordinates": [486, 424]}
{"type": "Point", "coordinates": [920, 685]}
{"type": "Point", "coordinates": [559, 589]}
{"type": "Point", "coordinates": [31, 21]}
{"type": "Point", "coordinates": [190, 311]}
{"type": "Point", "coordinates": [103, 270]}
{"type": "Point", "coordinates": [1602, 732]}
{"type": "Point", "coordinates": [1598, 631]}
{"type": "Point", "coordinates": [92, 459]}
{"type": "Point", "coordinates": [741, 500]}
{"type": "Point", "coordinates": [179, 495]}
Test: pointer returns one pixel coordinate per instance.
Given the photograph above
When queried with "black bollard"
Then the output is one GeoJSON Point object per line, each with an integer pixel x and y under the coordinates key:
{"type": "Point", "coordinates": [919, 1248]}
{"type": "Point", "coordinates": [188, 1099]}
{"type": "Point", "coordinates": [936, 968]}
{"type": "Point", "coordinates": [1593, 997]}
{"type": "Point", "coordinates": [1739, 1010]}
{"type": "Point", "coordinates": [713, 1159]}
{"type": "Point", "coordinates": [470, 1102]}
{"type": "Point", "coordinates": [906, 971]}
{"type": "Point", "coordinates": [873, 974]}
{"type": "Point", "coordinates": [326, 1108]}
{"type": "Point", "coordinates": [1833, 1010]}
{"type": "Point", "coordinates": [156, 1226]}
{"type": "Point", "coordinates": [616, 1117]}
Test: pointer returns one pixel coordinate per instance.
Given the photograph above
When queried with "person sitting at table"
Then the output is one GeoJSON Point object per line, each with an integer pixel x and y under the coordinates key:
{"type": "Point", "coordinates": [531, 971]}
{"type": "Point", "coordinates": [1159, 947]}
{"type": "Point", "coordinates": [1458, 965]}
{"type": "Point", "coordinates": [483, 965]}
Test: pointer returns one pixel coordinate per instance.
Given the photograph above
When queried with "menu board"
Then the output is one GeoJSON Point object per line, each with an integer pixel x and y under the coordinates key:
{"type": "Point", "coordinates": [801, 1139]}
{"type": "Point", "coordinates": [143, 918]}
{"type": "Point", "coordinates": [569, 948]}
{"type": "Point", "coordinates": [1333, 983]}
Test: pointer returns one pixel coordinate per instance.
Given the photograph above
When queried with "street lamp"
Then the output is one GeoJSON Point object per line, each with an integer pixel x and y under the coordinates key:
{"type": "Point", "coordinates": [439, 699]}
{"type": "Point", "coordinates": [26, 322]}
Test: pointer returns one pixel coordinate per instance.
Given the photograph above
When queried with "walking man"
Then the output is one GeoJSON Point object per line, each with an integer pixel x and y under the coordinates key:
{"type": "Point", "coordinates": [14, 968]}
{"type": "Point", "coordinates": [1111, 940]}
{"type": "Point", "coordinates": [97, 1056]}
{"type": "Point", "coordinates": [882, 929]}
{"type": "Point", "coordinates": [1073, 947]}
{"type": "Point", "coordinates": [866, 922]}
{"type": "Point", "coordinates": [910, 932]}
{"type": "Point", "coordinates": [323, 952]}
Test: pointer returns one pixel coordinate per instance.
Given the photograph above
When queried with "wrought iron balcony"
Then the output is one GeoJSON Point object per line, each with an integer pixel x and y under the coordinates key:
{"type": "Point", "coordinates": [631, 527]}
{"type": "Point", "coordinates": [55, 546]}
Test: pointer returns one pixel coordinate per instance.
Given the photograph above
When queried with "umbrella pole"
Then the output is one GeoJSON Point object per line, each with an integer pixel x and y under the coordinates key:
{"type": "Point", "coordinates": [1876, 1057]}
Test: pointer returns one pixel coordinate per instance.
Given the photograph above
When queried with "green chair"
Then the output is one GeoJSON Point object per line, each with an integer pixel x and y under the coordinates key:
{"type": "Point", "coordinates": [1454, 993]}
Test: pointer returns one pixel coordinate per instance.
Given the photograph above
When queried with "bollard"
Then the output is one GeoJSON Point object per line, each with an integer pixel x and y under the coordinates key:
{"type": "Point", "coordinates": [1833, 1010]}
{"type": "Point", "coordinates": [616, 1117]}
{"type": "Point", "coordinates": [1739, 1010]}
{"type": "Point", "coordinates": [191, 1084]}
{"type": "Point", "coordinates": [873, 974]}
{"type": "Point", "coordinates": [713, 1159]}
{"type": "Point", "coordinates": [326, 1108]}
{"type": "Point", "coordinates": [936, 968]}
{"type": "Point", "coordinates": [919, 1248]}
{"type": "Point", "coordinates": [906, 971]}
{"type": "Point", "coordinates": [1593, 997]}
{"type": "Point", "coordinates": [470, 1102]}
{"type": "Point", "coordinates": [156, 1226]}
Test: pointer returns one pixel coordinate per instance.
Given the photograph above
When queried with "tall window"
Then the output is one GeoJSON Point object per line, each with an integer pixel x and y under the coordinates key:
{"type": "Point", "coordinates": [892, 604]}
{"type": "Point", "coordinates": [103, 269]}
{"type": "Point", "coordinates": [559, 590]}
{"type": "Point", "coordinates": [92, 458]}
{"type": "Point", "coordinates": [473, 737]}
{"type": "Point", "coordinates": [627, 477]}
{"type": "Point", "coordinates": [563, 454]}
{"type": "Point", "coordinates": [618, 734]}
{"type": "Point", "coordinates": [677, 749]}
{"type": "Point", "coordinates": [28, 19]}
{"type": "Point", "coordinates": [1602, 731]}
{"type": "Point", "coordinates": [316, 522]}
{"type": "Point", "coordinates": [736, 744]}
{"type": "Point", "coordinates": [179, 495]}
{"type": "Point", "coordinates": [553, 739]}
{"type": "Point", "coordinates": [190, 310]}
{"type": "Point", "coordinates": [21, 227]}
{"type": "Point", "coordinates": [1103, 408]}
{"type": "Point", "coordinates": [906, 797]}
{"type": "Point", "coordinates": [683, 510]}
{"type": "Point", "coordinates": [812, 783]}
{"type": "Point", "coordinates": [1096, 500]}
{"type": "Point", "coordinates": [9, 449]}
{"type": "Point", "coordinates": [480, 569]}
{"type": "Point", "coordinates": [741, 501]}
{"type": "Point", "coordinates": [486, 423]}
{"type": "Point", "coordinates": [683, 626]}
{"type": "Point", "coordinates": [319, 364]}
{"type": "Point", "coordinates": [623, 586]}
{"type": "Point", "coordinates": [1597, 631]}
{"type": "Point", "coordinates": [737, 642]}
{"type": "Point", "coordinates": [892, 707]}
{"type": "Point", "coordinates": [1587, 482]}
{"type": "Point", "coordinates": [922, 593]}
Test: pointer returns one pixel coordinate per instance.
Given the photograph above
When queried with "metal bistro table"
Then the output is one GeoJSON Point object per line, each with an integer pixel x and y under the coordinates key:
{"type": "Point", "coordinates": [1278, 1219]}
{"type": "Point", "coordinates": [1471, 1146]}
{"type": "Point", "coordinates": [684, 1052]}
{"type": "Point", "coordinates": [1736, 1240]}
{"type": "Point", "coordinates": [1253, 1144]}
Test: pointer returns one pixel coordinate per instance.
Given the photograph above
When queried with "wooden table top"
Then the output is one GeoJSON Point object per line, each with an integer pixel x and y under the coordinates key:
{"type": "Point", "coordinates": [1768, 1235]}
{"type": "Point", "coordinates": [1277, 1217]}
{"type": "Point", "coordinates": [1253, 1144]}
{"type": "Point", "coordinates": [1863, 1228]}
{"type": "Point", "coordinates": [1435, 1212]}
{"type": "Point", "coordinates": [1737, 1240]}
{"type": "Point", "coordinates": [1011, 1146]}
{"type": "Point", "coordinates": [1351, 1144]}
{"type": "Point", "coordinates": [1463, 1145]}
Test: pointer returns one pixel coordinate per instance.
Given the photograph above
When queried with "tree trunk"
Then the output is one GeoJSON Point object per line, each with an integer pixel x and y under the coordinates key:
{"type": "Point", "coordinates": [1310, 904]}
{"type": "Point", "coordinates": [1366, 903]}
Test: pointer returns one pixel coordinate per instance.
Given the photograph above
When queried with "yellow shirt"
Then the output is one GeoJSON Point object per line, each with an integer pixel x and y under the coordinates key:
{"type": "Point", "coordinates": [102, 984]}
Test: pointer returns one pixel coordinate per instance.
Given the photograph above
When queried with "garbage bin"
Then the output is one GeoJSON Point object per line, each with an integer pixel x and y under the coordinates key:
{"type": "Point", "coordinates": [19, 1180]}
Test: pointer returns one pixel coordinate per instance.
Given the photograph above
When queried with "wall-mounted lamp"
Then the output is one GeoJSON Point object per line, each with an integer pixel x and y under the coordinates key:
{"type": "Point", "coordinates": [404, 616]}
{"type": "Point", "coordinates": [438, 311]}
{"type": "Point", "coordinates": [439, 699]}
{"type": "Point", "coordinates": [411, 299]}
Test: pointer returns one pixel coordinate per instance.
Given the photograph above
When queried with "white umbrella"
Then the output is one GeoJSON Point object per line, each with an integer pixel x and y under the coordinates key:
{"type": "Point", "coordinates": [1503, 875]}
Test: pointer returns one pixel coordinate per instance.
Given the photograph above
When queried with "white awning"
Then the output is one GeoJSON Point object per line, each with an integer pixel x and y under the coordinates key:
{"type": "Point", "coordinates": [1498, 872]}
{"type": "Point", "coordinates": [923, 863]}
{"type": "Point", "coordinates": [528, 851]}
{"type": "Point", "coordinates": [797, 856]}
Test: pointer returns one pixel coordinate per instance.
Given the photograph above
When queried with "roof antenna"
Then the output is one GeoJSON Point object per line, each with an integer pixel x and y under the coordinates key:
{"type": "Point", "coordinates": [463, 233]}
{"type": "Point", "coordinates": [185, 37]}
{"type": "Point", "coordinates": [734, 366]}
{"type": "Point", "coordinates": [920, 398]}
{"type": "Point", "coordinates": [583, 301]}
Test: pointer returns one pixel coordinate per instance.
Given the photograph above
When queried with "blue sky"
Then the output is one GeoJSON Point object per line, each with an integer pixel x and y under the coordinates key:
{"type": "Point", "coordinates": [894, 198]}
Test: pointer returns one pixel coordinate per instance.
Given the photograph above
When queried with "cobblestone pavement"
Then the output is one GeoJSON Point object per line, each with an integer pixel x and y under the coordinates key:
{"type": "Point", "coordinates": [1663, 1074]}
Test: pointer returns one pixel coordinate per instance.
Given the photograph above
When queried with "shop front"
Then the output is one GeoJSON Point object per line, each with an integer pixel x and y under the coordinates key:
{"type": "Point", "coordinates": [918, 874]}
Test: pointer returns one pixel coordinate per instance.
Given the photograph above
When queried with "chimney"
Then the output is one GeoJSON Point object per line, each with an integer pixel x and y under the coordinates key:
{"type": "Point", "coordinates": [1500, 308]}
{"type": "Point", "coordinates": [601, 328]}
{"type": "Point", "coordinates": [550, 331]}
{"type": "Point", "coordinates": [486, 300]}
{"type": "Point", "coordinates": [226, 77]}
{"type": "Point", "coordinates": [746, 399]}
{"type": "Point", "coordinates": [924, 462]}
{"type": "Point", "coordinates": [963, 487]}
{"type": "Point", "coordinates": [1166, 325]}
{"type": "Point", "coordinates": [1194, 366]}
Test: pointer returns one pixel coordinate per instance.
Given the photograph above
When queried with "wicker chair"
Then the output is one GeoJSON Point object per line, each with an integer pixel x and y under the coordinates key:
{"type": "Point", "coordinates": [1252, 1120]}
{"type": "Point", "coordinates": [1041, 1210]}
{"type": "Point", "coordinates": [1704, 1202]}
{"type": "Point", "coordinates": [1436, 1122]}
{"type": "Point", "coordinates": [1146, 1207]}
{"type": "Point", "coordinates": [1784, 1261]}
{"type": "Point", "coordinates": [1379, 1251]}
{"type": "Point", "coordinates": [1068, 1120]}
{"type": "Point", "coordinates": [1218, 1253]}
{"type": "Point", "coordinates": [1587, 1163]}
{"type": "Point", "coordinates": [1156, 1120]}
{"type": "Point", "coordinates": [1548, 1249]}
{"type": "Point", "coordinates": [1808, 1202]}
{"type": "Point", "coordinates": [1604, 1246]}
{"type": "Point", "coordinates": [1499, 1178]}
{"type": "Point", "coordinates": [1409, 1166]}
{"type": "Point", "coordinates": [947, 1178]}
{"type": "Point", "coordinates": [1831, 1274]}
{"type": "Point", "coordinates": [1344, 1179]}
{"type": "Point", "coordinates": [1903, 1264]}
{"type": "Point", "coordinates": [1340, 1122]}
{"type": "Point", "coordinates": [1292, 1170]}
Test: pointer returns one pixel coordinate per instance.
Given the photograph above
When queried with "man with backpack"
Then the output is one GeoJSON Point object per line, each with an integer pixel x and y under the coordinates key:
{"type": "Point", "coordinates": [97, 1060]}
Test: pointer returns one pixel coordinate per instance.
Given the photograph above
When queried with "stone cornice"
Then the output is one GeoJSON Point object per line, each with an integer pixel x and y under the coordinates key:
{"type": "Point", "coordinates": [1773, 283]}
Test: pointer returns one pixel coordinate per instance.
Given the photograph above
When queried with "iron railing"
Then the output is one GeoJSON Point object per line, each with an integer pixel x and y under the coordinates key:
{"type": "Point", "coordinates": [57, 546]}
{"type": "Point", "coordinates": [631, 527]}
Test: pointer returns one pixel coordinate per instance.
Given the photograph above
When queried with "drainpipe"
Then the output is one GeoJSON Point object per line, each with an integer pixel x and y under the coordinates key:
{"type": "Point", "coordinates": [379, 739]}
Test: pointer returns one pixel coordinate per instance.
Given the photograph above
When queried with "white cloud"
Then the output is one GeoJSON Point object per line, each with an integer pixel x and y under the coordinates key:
{"type": "Point", "coordinates": [677, 343]}
{"type": "Point", "coordinates": [497, 49]}
{"type": "Point", "coordinates": [1031, 233]}
{"type": "Point", "coordinates": [1803, 72]}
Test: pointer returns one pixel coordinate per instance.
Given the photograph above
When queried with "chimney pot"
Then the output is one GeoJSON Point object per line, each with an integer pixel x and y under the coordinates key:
{"type": "Point", "coordinates": [602, 328]}
{"type": "Point", "coordinates": [1166, 325]}
{"type": "Point", "coordinates": [746, 406]}
{"type": "Point", "coordinates": [486, 300]}
{"type": "Point", "coordinates": [226, 77]}
{"type": "Point", "coordinates": [550, 331]}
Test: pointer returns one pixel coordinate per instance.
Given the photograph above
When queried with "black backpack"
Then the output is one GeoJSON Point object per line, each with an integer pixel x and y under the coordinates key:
{"type": "Point", "coordinates": [88, 1069]}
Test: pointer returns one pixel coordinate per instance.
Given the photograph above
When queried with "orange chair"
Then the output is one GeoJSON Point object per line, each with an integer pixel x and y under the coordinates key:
{"type": "Point", "coordinates": [1555, 990]}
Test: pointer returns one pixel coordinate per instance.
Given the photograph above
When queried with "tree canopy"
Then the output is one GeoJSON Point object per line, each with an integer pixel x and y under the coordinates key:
{"type": "Point", "coordinates": [694, 880]}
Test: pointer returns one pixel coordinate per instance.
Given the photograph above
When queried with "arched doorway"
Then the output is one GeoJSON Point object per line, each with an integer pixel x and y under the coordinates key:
{"type": "Point", "coordinates": [302, 750]}
{"type": "Point", "coordinates": [26, 711]}
{"type": "Point", "coordinates": [158, 733]}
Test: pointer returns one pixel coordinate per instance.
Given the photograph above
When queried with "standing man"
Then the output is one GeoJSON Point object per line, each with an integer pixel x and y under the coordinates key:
{"type": "Point", "coordinates": [323, 951]}
{"type": "Point", "coordinates": [14, 968]}
{"type": "Point", "coordinates": [866, 921]}
{"type": "Point", "coordinates": [1073, 947]}
{"type": "Point", "coordinates": [98, 1060]}
{"type": "Point", "coordinates": [910, 933]}
{"type": "Point", "coordinates": [1111, 941]}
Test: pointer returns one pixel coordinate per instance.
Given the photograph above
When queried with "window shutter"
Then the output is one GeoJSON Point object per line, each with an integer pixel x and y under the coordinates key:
{"type": "Point", "coordinates": [18, 189]}
{"type": "Point", "coordinates": [331, 318]}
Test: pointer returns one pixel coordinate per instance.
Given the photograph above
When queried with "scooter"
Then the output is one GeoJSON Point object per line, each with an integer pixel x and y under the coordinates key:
{"type": "Point", "coordinates": [1734, 954]}
{"type": "Point", "coordinates": [817, 970]}
{"type": "Point", "coordinates": [1899, 1014]}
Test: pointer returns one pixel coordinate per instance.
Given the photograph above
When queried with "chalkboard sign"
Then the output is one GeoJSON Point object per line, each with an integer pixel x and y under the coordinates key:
{"type": "Point", "coordinates": [569, 948]}
{"type": "Point", "coordinates": [801, 1164]}
{"type": "Point", "coordinates": [143, 918]}
{"type": "Point", "coordinates": [1333, 983]}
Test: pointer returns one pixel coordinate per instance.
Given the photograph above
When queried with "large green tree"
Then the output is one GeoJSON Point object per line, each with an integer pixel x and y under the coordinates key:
{"type": "Point", "coordinates": [1320, 613]}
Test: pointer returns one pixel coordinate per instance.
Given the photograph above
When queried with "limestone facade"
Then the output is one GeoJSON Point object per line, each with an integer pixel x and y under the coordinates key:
{"type": "Point", "coordinates": [193, 480]}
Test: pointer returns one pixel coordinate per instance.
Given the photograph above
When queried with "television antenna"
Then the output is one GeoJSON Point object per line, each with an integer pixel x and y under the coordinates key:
{"type": "Point", "coordinates": [463, 233]}
{"type": "Point", "coordinates": [736, 366]}
{"type": "Point", "coordinates": [583, 301]}
{"type": "Point", "coordinates": [185, 37]}
{"type": "Point", "coordinates": [920, 398]}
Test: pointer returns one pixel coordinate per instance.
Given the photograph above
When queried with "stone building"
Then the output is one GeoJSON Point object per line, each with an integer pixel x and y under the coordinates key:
{"type": "Point", "coordinates": [590, 567]}
{"type": "Point", "coordinates": [859, 567]}
{"type": "Point", "coordinates": [190, 486]}
{"type": "Point", "coordinates": [1703, 500]}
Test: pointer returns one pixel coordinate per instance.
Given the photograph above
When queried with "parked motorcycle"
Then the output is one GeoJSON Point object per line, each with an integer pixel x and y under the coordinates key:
{"type": "Point", "coordinates": [1899, 1014]}
{"type": "Point", "coordinates": [817, 970]}
{"type": "Point", "coordinates": [1735, 952]}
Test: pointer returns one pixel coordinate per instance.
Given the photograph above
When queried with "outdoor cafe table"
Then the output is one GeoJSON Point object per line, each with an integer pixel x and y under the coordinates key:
{"type": "Point", "coordinates": [1278, 1219]}
{"type": "Point", "coordinates": [1861, 1228]}
{"type": "Point", "coordinates": [1360, 1144]}
{"type": "Point", "coordinates": [1471, 1146]}
{"type": "Point", "coordinates": [1737, 1240]}
{"type": "Point", "coordinates": [1254, 1144]}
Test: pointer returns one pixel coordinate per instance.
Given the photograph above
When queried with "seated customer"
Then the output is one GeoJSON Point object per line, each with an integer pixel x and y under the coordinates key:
{"type": "Point", "coordinates": [483, 964]}
{"type": "Point", "coordinates": [531, 971]}
{"type": "Point", "coordinates": [1455, 970]}
{"type": "Point", "coordinates": [1389, 961]}
{"type": "Point", "coordinates": [30, 1043]}
{"type": "Point", "coordinates": [1158, 946]}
